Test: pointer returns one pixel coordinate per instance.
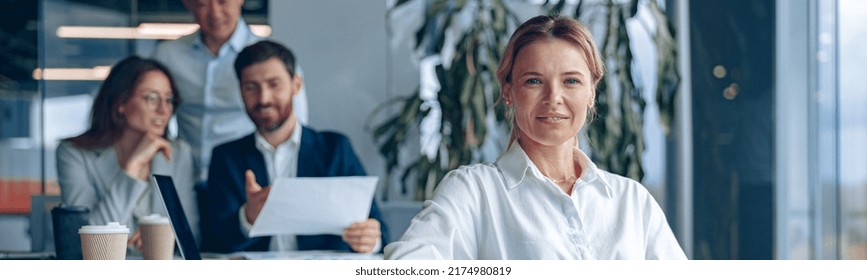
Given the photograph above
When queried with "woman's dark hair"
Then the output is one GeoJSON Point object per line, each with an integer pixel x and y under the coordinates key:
{"type": "Point", "coordinates": [262, 51]}
{"type": "Point", "coordinates": [106, 122]}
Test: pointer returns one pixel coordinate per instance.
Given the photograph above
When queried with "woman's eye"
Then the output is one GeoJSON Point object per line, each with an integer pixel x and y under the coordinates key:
{"type": "Point", "coordinates": [573, 82]}
{"type": "Point", "coordinates": [533, 81]}
{"type": "Point", "coordinates": [151, 97]}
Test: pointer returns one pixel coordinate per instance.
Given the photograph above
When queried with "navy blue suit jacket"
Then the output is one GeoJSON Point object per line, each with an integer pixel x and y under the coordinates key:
{"type": "Point", "coordinates": [321, 154]}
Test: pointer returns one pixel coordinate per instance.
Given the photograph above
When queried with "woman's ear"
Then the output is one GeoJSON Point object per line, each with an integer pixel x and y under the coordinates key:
{"type": "Point", "coordinates": [506, 94]}
{"type": "Point", "coordinates": [592, 102]}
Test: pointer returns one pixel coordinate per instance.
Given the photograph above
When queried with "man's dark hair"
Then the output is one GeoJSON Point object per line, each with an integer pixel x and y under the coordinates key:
{"type": "Point", "coordinates": [262, 51]}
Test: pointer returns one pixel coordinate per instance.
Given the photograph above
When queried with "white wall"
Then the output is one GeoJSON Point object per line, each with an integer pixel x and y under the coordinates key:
{"type": "Point", "coordinates": [343, 49]}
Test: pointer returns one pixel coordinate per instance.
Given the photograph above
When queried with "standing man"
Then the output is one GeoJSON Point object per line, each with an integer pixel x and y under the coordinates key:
{"type": "Point", "coordinates": [211, 111]}
{"type": "Point", "coordinates": [280, 147]}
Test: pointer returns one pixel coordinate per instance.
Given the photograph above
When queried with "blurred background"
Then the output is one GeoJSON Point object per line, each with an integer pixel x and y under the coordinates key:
{"type": "Point", "coordinates": [744, 118]}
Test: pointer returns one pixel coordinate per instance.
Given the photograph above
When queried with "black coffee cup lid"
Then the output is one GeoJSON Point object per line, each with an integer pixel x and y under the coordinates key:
{"type": "Point", "coordinates": [70, 208]}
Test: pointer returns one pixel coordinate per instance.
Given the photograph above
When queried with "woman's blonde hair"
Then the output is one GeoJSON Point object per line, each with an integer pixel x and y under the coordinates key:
{"type": "Point", "coordinates": [546, 28]}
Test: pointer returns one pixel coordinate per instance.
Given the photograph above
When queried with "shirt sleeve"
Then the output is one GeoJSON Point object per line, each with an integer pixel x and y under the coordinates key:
{"type": "Point", "coordinates": [115, 204]}
{"type": "Point", "coordinates": [659, 239]}
{"type": "Point", "coordinates": [242, 216]}
{"type": "Point", "coordinates": [445, 228]}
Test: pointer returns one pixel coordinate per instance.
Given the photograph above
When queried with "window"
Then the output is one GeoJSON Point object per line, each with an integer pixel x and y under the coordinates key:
{"type": "Point", "coordinates": [852, 134]}
{"type": "Point", "coordinates": [822, 190]}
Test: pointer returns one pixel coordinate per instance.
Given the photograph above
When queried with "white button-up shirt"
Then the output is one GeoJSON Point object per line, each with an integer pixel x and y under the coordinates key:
{"type": "Point", "coordinates": [509, 210]}
{"type": "Point", "coordinates": [211, 110]}
{"type": "Point", "coordinates": [281, 162]}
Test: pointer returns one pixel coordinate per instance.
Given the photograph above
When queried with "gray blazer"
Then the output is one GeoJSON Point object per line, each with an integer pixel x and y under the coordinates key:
{"type": "Point", "coordinates": [94, 179]}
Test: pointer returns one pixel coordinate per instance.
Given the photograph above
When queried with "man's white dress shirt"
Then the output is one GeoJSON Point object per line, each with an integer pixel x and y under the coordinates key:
{"type": "Point", "coordinates": [509, 210]}
{"type": "Point", "coordinates": [280, 161]}
{"type": "Point", "coordinates": [211, 111]}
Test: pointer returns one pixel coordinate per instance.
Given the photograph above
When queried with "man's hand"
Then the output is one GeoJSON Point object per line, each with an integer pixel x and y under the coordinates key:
{"type": "Point", "coordinates": [362, 236]}
{"type": "Point", "coordinates": [256, 196]}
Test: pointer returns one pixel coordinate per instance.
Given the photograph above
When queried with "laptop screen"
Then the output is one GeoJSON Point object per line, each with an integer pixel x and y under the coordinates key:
{"type": "Point", "coordinates": [183, 233]}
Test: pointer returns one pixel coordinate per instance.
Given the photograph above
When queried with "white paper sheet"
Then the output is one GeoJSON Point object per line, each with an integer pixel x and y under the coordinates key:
{"type": "Point", "coordinates": [323, 205]}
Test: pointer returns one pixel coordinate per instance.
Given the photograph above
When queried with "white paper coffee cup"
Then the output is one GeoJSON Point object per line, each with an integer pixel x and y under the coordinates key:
{"type": "Point", "coordinates": [158, 238]}
{"type": "Point", "coordinates": [106, 242]}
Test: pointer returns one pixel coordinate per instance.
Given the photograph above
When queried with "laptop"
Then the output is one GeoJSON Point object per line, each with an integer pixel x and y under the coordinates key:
{"type": "Point", "coordinates": [183, 232]}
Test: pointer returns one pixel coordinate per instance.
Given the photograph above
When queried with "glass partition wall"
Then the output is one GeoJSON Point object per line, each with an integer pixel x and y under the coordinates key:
{"type": "Point", "coordinates": [821, 130]}
{"type": "Point", "coordinates": [21, 155]}
{"type": "Point", "coordinates": [55, 54]}
{"type": "Point", "coordinates": [852, 128]}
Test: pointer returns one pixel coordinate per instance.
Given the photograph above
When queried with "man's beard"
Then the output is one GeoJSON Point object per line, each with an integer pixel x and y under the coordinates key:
{"type": "Point", "coordinates": [274, 126]}
{"type": "Point", "coordinates": [266, 127]}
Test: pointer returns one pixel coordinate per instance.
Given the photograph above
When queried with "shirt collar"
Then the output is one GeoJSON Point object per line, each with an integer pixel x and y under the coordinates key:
{"type": "Point", "coordinates": [589, 171]}
{"type": "Point", "coordinates": [516, 166]}
{"type": "Point", "coordinates": [239, 38]}
{"type": "Point", "coordinates": [237, 42]}
{"type": "Point", "coordinates": [294, 139]}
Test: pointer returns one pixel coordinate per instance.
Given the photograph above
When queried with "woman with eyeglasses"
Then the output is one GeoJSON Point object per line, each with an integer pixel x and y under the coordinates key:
{"type": "Point", "coordinates": [107, 168]}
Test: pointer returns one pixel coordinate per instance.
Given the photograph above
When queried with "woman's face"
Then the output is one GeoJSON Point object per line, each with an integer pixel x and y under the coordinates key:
{"type": "Point", "coordinates": [551, 91]}
{"type": "Point", "coordinates": [149, 108]}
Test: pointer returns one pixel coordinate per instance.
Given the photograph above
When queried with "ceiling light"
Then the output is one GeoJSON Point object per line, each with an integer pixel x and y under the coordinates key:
{"type": "Point", "coordinates": [97, 73]}
{"type": "Point", "coordinates": [157, 31]}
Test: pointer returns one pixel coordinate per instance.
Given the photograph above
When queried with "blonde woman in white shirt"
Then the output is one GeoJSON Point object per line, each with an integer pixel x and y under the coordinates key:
{"type": "Point", "coordinates": [543, 198]}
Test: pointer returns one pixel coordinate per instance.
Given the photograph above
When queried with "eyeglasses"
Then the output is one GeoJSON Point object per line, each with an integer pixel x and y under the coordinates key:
{"type": "Point", "coordinates": [153, 100]}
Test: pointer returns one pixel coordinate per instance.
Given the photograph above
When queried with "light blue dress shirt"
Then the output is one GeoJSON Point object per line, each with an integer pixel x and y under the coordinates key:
{"type": "Point", "coordinates": [212, 110]}
{"type": "Point", "coordinates": [509, 210]}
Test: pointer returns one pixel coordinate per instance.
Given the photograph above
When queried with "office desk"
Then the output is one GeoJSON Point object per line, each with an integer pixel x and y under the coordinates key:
{"type": "Point", "coordinates": [293, 255]}
{"type": "Point", "coordinates": [26, 255]}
